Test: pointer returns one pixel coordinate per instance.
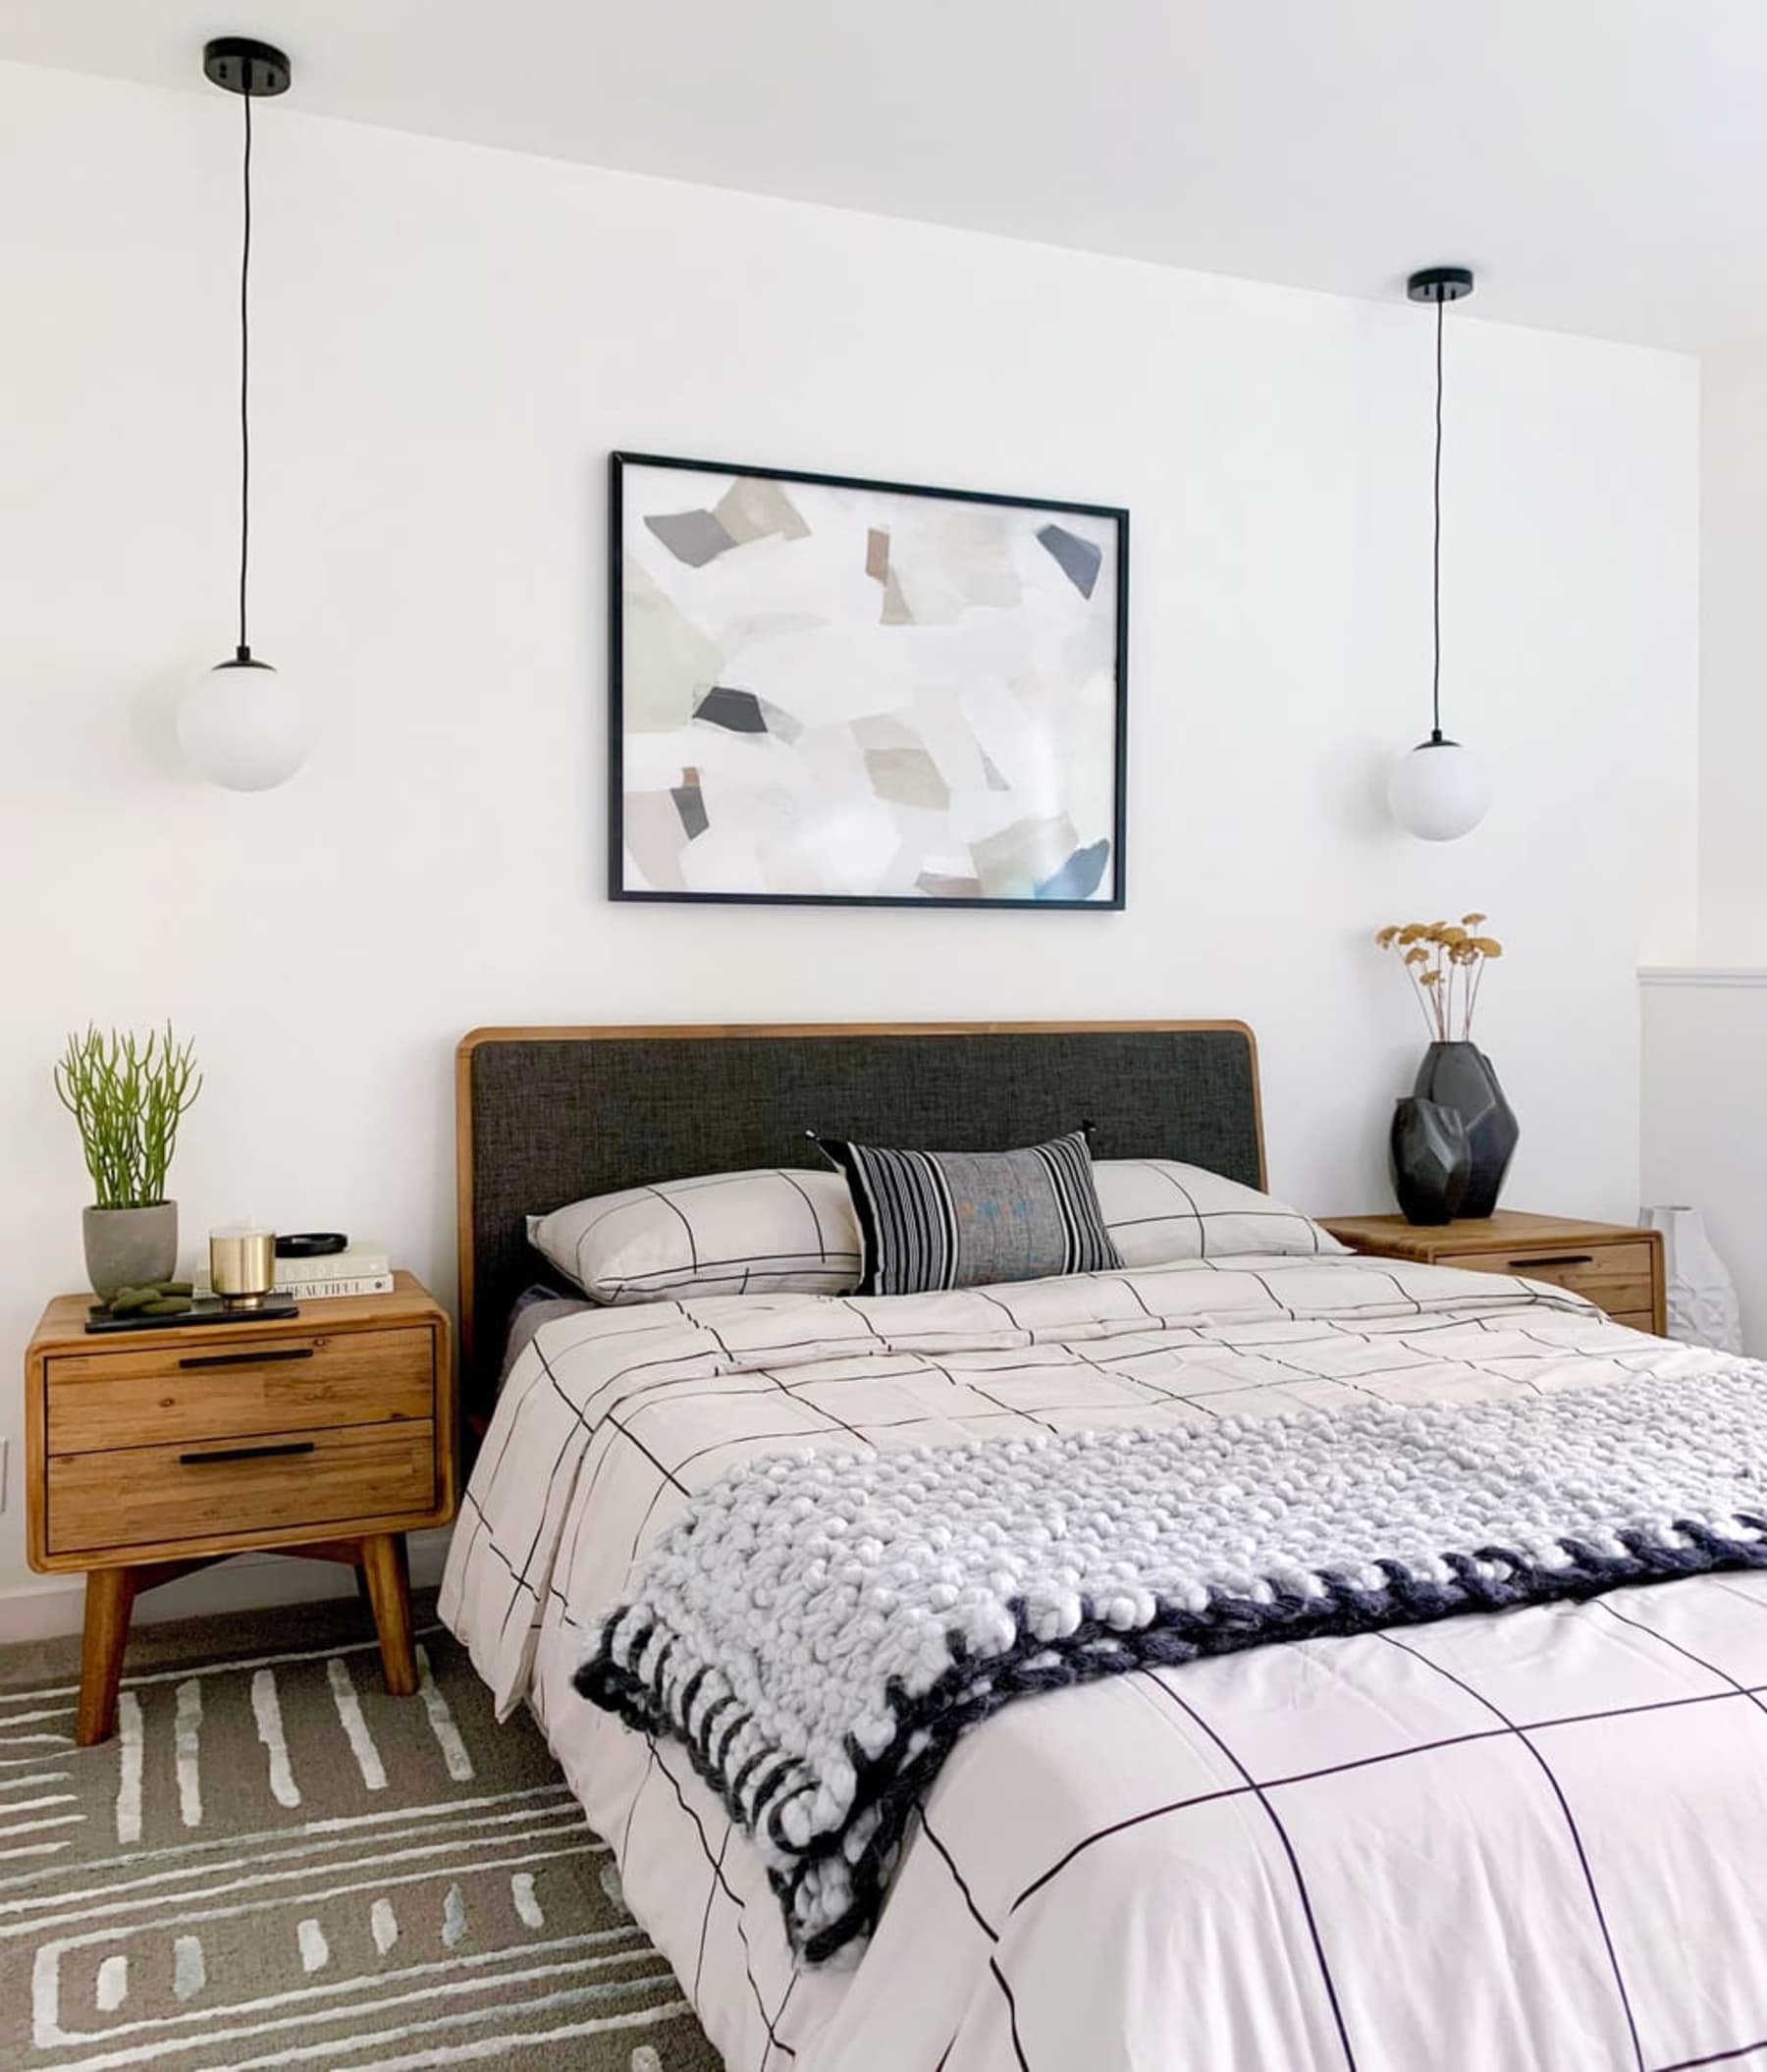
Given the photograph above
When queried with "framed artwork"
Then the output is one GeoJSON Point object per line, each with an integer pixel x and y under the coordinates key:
{"type": "Point", "coordinates": [835, 692]}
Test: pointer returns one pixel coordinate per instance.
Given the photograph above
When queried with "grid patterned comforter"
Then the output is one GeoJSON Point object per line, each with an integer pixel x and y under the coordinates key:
{"type": "Point", "coordinates": [1500, 1842]}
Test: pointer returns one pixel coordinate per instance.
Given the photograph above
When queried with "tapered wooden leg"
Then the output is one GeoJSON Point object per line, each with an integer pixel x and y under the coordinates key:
{"type": "Point", "coordinates": [110, 1595]}
{"type": "Point", "coordinates": [389, 1594]}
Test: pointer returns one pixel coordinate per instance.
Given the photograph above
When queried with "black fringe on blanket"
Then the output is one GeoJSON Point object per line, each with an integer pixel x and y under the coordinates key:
{"type": "Point", "coordinates": [891, 1784]}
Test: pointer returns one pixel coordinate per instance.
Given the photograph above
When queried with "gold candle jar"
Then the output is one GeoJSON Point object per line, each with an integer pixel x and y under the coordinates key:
{"type": "Point", "coordinates": [242, 1264]}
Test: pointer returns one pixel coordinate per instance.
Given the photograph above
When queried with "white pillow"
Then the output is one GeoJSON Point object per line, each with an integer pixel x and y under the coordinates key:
{"type": "Point", "coordinates": [779, 1232]}
{"type": "Point", "coordinates": [760, 1232]}
{"type": "Point", "coordinates": [1158, 1212]}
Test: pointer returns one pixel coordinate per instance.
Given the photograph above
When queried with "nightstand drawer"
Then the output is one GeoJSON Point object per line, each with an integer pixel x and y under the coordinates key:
{"type": "Point", "coordinates": [152, 1394]}
{"type": "Point", "coordinates": [1614, 1277]}
{"type": "Point", "coordinates": [274, 1482]}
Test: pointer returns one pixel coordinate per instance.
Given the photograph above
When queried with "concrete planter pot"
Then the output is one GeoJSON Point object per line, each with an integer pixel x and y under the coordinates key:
{"type": "Point", "coordinates": [124, 1246]}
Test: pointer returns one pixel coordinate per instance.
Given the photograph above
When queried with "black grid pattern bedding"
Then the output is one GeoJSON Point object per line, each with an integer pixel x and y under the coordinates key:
{"type": "Point", "coordinates": [1501, 1841]}
{"type": "Point", "coordinates": [1572, 1716]}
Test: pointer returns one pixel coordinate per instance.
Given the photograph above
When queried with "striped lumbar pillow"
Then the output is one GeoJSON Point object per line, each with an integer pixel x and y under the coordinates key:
{"type": "Point", "coordinates": [963, 1219]}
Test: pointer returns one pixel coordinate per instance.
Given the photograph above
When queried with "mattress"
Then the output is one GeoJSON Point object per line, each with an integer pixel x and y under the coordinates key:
{"type": "Point", "coordinates": [1500, 1841]}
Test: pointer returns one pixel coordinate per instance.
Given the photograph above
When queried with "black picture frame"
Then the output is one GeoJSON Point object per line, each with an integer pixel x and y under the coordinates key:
{"type": "Point", "coordinates": [617, 889]}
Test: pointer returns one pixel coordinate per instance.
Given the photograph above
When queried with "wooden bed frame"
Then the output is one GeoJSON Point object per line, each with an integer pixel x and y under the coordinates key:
{"type": "Point", "coordinates": [546, 1116]}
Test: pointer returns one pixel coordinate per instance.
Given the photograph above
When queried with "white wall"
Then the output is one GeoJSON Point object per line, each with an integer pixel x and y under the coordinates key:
{"type": "Point", "coordinates": [1705, 1118]}
{"type": "Point", "coordinates": [449, 342]}
{"type": "Point", "coordinates": [1705, 1024]}
{"type": "Point", "coordinates": [1732, 748]}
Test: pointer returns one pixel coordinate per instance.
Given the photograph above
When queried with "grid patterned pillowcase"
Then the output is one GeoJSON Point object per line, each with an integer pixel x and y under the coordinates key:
{"type": "Point", "coordinates": [1160, 1212]}
{"type": "Point", "coordinates": [772, 1232]}
{"type": "Point", "coordinates": [965, 1219]}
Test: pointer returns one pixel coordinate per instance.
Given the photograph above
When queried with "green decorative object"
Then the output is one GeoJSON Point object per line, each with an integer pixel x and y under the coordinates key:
{"type": "Point", "coordinates": [156, 1298]}
{"type": "Point", "coordinates": [129, 1097]}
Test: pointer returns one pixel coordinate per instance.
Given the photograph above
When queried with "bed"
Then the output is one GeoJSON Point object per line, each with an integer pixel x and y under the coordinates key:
{"type": "Point", "coordinates": [1531, 1839]}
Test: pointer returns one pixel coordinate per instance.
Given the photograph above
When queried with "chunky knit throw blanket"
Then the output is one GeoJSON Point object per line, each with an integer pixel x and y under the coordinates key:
{"type": "Point", "coordinates": [819, 1629]}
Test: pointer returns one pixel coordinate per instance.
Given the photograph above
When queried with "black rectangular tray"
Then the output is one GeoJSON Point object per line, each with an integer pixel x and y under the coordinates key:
{"type": "Point", "coordinates": [206, 1310]}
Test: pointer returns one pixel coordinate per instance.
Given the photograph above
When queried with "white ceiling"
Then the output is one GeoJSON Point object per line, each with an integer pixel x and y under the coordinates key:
{"type": "Point", "coordinates": [1602, 163]}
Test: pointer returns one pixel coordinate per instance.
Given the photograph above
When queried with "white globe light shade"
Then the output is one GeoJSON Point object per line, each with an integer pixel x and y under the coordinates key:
{"type": "Point", "coordinates": [1438, 792]}
{"type": "Point", "coordinates": [243, 724]}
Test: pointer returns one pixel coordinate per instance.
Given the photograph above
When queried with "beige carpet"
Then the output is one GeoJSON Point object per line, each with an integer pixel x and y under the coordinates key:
{"type": "Point", "coordinates": [275, 1865]}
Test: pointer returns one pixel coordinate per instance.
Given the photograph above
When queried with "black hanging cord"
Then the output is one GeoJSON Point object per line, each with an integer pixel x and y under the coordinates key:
{"type": "Point", "coordinates": [1436, 566]}
{"type": "Point", "coordinates": [244, 651]}
{"type": "Point", "coordinates": [243, 66]}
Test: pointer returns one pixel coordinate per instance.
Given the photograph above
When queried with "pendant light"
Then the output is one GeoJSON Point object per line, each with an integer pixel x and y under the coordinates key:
{"type": "Point", "coordinates": [242, 723]}
{"type": "Point", "coordinates": [1438, 792]}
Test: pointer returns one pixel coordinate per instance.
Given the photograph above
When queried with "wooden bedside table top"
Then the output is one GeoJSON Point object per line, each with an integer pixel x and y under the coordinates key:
{"type": "Point", "coordinates": [63, 1324]}
{"type": "Point", "coordinates": [1510, 1230]}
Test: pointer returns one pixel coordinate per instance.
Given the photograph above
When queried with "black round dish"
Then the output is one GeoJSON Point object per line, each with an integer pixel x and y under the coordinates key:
{"type": "Point", "coordinates": [311, 1244]}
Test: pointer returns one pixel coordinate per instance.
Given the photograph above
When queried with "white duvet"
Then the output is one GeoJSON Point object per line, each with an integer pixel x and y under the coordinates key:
{"type": "Point", "coordinates": [1536, 1840]}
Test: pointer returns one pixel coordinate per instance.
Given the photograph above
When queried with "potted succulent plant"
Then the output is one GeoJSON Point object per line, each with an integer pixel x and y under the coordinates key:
{"type": "Point", "coordinates": [1454, 1137]}
{"type": "Point", "coordinates": [128, 1097]}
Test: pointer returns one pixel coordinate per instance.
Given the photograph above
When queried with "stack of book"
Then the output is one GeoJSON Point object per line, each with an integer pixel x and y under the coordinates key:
{"type": "Point", "coordinates": [360, 1268]}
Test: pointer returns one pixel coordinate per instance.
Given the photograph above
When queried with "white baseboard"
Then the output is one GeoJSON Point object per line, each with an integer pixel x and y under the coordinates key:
{"type": "Point", "coordinates": [249, 1582]}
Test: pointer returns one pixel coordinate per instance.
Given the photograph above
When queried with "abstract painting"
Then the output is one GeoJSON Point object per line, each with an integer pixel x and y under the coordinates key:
{"type": "Point", "coordinates": [844, 692]}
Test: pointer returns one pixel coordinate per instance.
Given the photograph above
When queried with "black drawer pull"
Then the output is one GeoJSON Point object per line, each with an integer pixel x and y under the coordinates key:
{"type": "Point", "coordinates": [247, 1453]}
{"type": "Point", "coordinates": [246, 1360]}
{"type": "Point", "coordinates": [1568, 1258]}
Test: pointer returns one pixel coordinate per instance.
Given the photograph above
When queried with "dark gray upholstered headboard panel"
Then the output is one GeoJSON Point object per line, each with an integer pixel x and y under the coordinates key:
{"type": "Point", "coordinates": [551, 1115]}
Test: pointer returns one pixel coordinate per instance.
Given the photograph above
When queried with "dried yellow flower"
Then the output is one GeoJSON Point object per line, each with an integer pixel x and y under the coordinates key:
{"type": "Point", "coordinates": [1432, 952]}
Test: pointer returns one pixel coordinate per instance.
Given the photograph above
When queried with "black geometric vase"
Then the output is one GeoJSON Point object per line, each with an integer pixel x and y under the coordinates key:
{"type": "Point", "coordinates": [1459, 1076]}
{"type": "Point", "coordinates": [1429, 1161]}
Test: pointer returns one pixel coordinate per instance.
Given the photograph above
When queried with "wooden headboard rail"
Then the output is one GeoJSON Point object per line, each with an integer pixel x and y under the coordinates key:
{"type": "Point", "coordinates": [545, 1116]}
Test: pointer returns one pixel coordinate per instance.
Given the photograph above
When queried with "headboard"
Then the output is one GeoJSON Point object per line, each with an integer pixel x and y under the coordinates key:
{"type": "Point", "coordinates": [546, 1116]}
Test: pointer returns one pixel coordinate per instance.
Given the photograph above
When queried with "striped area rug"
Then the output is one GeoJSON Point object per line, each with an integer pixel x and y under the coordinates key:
{"type": "Point", "coordinates": [275, 1865]}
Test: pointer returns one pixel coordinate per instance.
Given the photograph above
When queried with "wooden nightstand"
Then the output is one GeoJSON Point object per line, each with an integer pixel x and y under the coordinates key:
{"type": "Point", "coordinates": [1619, 1269]}
{"type": "Point", "coordinates": [330, 1434]}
